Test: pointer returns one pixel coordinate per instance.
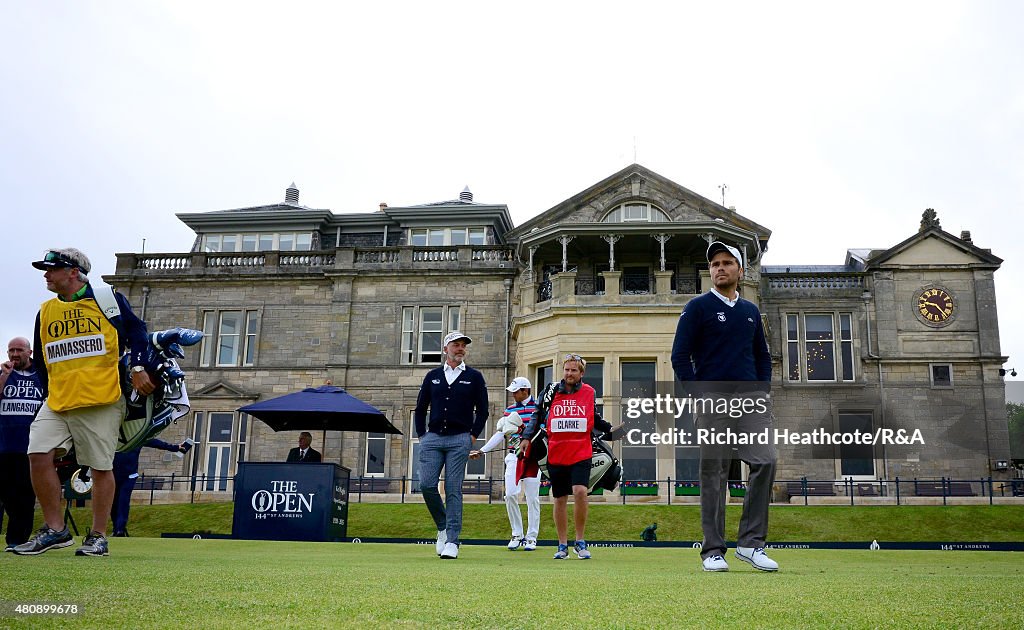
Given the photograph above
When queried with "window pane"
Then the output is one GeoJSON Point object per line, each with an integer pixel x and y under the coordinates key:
{"type": "Point", "coordinates": [408, 333]}
{"type": "Point", "coordinates": [197, 434]}
{"type": "Point", "coordinates": [544, 375]}
{"type": "Point", "coordinates": [230, 330]}
{"type": "Point", "coordinates": [478, 466]}
{"type": "Point", "coordinates": [266, 242]}
{"type": "Point", "coordinates": [477, 236]}
{"type": "Point", "coordinates": [454, 318]}
{"type": "Point", "coordinates": [250, 337]}
{"type": "Point", "coordinates": [229, 243]}
{"type": "Point", "coordinates": [248, 242]}
{"type": "Point", "coordinates": [857, 459]}
{"type": "Point", "coordinates": [845, 327]}
{"type": "Point", "coordinates": [435, 238]}
{"type": "Point", "coordinates": [303, 242]}
{"type": "Point", "coordinates": [220, 426]}
{"type": "Point", "coordinates": [941, 376]}
{"type": "Point", "coordinates": [286, 243]}
{"type": "Point", "coordinates": [791, 332]}
{"type": "Point", "coordinates": [375, 453]}
{"type": "Point", "coordinates": [209, 337]}
{"type": "Point", "coordinates": [820, 349]}
{"type": "Point", "coordinates": [430, 333]}
{"type": "Point", "coordinates": [243, 427]}
{"type": "Point", "coordinates": [458, 236]}
{"type": "Point", "coordinates": [847, 360]}
{"type": "Point", "coordinates": [594, 376]}
{"type": "Point", "coordinates": [212, 242]}
{"type": "Point", "coordinates": [794, 361]}
{"type": "Point", "coordinates": [418, 237]}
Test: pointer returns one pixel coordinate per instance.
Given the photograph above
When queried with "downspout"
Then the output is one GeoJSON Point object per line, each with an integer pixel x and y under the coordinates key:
{"type": "Point", "coordinates": [866, 296]}
{"type": "Point", "coordinates": [508, 322]}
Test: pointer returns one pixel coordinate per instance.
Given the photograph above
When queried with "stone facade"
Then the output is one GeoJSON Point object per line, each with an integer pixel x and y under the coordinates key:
{"type": "Point", "coordinates": [604, 274]}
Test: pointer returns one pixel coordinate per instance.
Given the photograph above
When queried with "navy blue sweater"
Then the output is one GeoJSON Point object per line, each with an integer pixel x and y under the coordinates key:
{"type": "Point", "coordinates": [457, 408]}
{"type": "Point", "coordinates": [716, 342]}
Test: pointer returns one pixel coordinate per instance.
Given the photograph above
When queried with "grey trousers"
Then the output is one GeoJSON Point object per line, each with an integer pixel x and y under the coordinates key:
{"type": "Point", "coordinates": [714, 479]}
{"type": "Point", "coordinates": [450, 452]}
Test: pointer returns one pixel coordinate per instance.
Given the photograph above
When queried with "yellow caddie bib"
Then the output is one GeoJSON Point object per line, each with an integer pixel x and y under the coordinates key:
{"type": "Point", "coordinates": [80, 351]}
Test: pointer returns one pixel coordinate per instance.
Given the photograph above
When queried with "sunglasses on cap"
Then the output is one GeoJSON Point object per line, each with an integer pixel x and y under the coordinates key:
{"type": "Point", "coordinates": [53, 260]}
{"type": "Point", "coordinates": [575, 357]}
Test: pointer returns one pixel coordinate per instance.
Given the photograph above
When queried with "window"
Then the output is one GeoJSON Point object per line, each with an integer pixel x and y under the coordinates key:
{"type": "Point", "coordinates": [439, 237]}
{"type": "Point", "coordinates": [374, 463]}
{"type": "Point", "coordinates": [856, 460]}
{"type": "Point", "coordinates": [251, 242]}
{"type": "Point", "coordinates": [639, 463]}
{"type": "Point", "coordinates": [817, 350]}
{"type": "Point", "coordinates": [222, 434]}
{"type": "Point", "coordinates": [230, 338]}
{"type": "Point", "coordinates": [941, 374]}
{"type": "Point", "coordinates": [545, 373]}
{"type": "Point", "coordinates": [423, 330]}
{"type": "Point", "coordinates": [635, 211]}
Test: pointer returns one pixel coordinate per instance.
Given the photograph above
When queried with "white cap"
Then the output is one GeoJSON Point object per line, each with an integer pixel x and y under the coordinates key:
{"type": "Point", "coordinates": [719, 246]}
{"type": "Point", "coordinates": [518, 383]}
{"type": "Point", "coordinates": [455, 336]}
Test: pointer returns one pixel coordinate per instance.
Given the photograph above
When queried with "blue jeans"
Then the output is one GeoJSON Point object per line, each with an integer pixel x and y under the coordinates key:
{"type": "Point", "coordinates": [451, 452]}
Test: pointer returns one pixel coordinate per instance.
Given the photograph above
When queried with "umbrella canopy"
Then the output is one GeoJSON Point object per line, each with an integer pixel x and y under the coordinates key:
{"type": "Point", "coordinates": [324, 408]}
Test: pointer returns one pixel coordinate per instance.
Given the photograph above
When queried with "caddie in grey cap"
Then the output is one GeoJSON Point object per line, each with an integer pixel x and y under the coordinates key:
{"type": "Point", "coordinates": [719, 246]}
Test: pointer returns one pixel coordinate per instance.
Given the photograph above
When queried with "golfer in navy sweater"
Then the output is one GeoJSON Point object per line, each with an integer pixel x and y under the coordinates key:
{"type": "Point", "coordinates": [720, 343]}
{"type": "Point", "coordinates": [457, 397]}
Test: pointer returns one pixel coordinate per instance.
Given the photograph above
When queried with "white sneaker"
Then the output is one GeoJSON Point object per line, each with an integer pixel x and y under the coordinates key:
{"type": "Point", "coordinates": [530, 544]}
{"type": "Point", "coordinates": [515, 543]}
{"type": "Point", "coordinates": [715, 563]}
{"type": "Point", "coordinates": [442, 538]}
{"type": "Point", "coordinates": [757, 558]}
{"type": "Point", "coordinates": [451, 551]}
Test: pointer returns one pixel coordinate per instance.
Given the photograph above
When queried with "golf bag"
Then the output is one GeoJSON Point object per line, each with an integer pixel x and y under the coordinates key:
{"type": "Point", "coordinates": [145, 416]}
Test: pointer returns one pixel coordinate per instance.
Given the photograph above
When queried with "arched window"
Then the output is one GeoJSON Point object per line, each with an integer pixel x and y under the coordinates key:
{"type": "Point", "coordinates": [636, 211]}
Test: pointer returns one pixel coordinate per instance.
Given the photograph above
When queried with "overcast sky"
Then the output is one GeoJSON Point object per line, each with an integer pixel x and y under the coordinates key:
{"type": "Point", "coordinates": [835, 125]}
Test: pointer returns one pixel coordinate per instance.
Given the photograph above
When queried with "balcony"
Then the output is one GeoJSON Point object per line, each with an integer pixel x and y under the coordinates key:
{"type": "Point", "coordinates": [386, 259]}
{"type": "Point", "coordinates": [607, 288]}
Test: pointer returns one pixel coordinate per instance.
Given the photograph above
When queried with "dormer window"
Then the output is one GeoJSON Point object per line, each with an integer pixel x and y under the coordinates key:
{"type": "Point", "coordinates": [636, 212]}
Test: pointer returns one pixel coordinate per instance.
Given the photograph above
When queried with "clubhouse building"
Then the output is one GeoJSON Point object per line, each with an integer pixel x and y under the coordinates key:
{"type": "Point", "coordinates": [900, 341]}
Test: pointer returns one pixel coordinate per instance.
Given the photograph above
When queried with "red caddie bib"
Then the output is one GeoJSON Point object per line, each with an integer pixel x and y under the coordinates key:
{"type": "Point", "coordinates": [570, 421]}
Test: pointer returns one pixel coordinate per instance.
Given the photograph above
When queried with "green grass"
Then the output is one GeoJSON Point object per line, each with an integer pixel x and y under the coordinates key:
{"type": "Point", "coordinates": [157, 583]}
{"type": "Point", "coordinates": [999, 523]}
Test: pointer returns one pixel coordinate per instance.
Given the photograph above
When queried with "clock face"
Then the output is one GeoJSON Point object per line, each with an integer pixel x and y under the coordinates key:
{"type": "Point", "coordinates": [935, 306]}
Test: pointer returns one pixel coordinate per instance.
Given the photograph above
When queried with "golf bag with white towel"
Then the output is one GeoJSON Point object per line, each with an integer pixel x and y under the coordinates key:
{"type": "Point", "coordinates": [145, 416]}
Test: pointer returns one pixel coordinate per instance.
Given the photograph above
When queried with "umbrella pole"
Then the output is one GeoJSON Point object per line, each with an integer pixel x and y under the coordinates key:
{"type": "Point", "coordinates": [323, 445]}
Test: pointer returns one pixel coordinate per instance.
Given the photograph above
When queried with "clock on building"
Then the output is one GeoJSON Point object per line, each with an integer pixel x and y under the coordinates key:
{"type": "Point", "coordinates": [935, 306]}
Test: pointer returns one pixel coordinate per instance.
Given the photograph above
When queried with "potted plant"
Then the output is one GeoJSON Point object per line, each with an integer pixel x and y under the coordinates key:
{"type": "Point", "coordinates": [737, 489]}
{"type": "Point", "coordinates": [545, 487]}
{"type": "Point", "coordinates": [687, 488]}
{"type": "Point", "coordinates": [649, 488]}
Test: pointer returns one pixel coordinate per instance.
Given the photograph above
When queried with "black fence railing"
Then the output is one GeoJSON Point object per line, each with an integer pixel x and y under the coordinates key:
{"type": "Point", "coordinates": [854, 490]}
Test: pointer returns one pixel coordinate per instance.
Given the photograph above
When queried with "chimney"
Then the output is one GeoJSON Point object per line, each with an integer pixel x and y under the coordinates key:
{"type": "Point", "coordinates": [383, 206]}
{"type": "Point", "coordinates": [965, 236]}
{"type": "Point", "coordinates": [291, 195]}
{"type": "Point", "coordinates": [465, 195]}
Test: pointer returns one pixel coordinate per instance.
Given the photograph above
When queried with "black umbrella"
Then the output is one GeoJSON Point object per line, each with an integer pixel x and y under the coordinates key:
{"type": "Point", "coordinates": [323, 408]}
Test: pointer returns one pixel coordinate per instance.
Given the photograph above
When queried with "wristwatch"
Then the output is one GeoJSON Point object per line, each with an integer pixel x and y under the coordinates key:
{"type": "Point", "coordinates": [138, 368]}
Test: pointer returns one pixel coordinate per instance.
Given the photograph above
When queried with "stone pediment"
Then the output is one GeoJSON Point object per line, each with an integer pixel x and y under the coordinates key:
{"type": "Point", "coordinates": [934, 248]}
{"type": "Point", "coordinates": [224, 390]}
{"type": "Point", "coordinates": [637, 183]}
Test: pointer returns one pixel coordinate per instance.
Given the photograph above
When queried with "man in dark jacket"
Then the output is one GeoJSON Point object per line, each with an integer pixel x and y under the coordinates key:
{"type": "Point", "coordinates": [456, 395]}
{"type": "Point", "coordinates": [304, 452]}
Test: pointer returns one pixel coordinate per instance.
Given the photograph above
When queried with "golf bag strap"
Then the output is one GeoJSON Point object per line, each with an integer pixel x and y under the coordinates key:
{"type": "Point", "coordinates": [104, 294]}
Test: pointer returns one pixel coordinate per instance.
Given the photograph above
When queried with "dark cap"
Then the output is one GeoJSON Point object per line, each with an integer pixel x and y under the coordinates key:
{"type": "Point", "coordinates": [54, 259]}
